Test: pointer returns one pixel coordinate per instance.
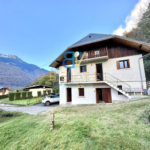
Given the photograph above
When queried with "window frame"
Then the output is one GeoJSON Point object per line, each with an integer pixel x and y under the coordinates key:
{"type": "Point", "coordinates": [119, 66]}
{"type": "Point", "coordinates": [120, 88]}
{"type": "Point", "coordinates": [81, 69]}
{"type": "Point", "coordinates": [81, 93]}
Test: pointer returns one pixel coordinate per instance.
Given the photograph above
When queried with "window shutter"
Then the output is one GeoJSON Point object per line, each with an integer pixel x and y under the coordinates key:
{"type": "Point", "coordinates": [81, 91]}
{"type": "Point", "coordinates": [118, 65]}
{"type": "Point", "coordinates": [128, 63]}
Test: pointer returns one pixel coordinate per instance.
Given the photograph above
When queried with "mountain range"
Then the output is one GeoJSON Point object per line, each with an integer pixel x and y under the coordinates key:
{"type": "Point", "coordinates": [16, 73]}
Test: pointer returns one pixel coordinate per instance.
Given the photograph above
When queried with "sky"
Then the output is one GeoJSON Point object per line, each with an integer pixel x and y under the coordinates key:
{"type": "Point", "coordinates": [39, 31]}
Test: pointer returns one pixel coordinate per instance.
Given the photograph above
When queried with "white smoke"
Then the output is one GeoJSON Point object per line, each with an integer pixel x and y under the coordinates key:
{"type": "Point", "coordinates": [132, 20]}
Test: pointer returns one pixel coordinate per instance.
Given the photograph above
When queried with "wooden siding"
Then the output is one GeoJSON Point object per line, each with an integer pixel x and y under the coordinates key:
{"type": "Point", "coordinates": [113, 50]}
{"type": "Point", "coordinates": [121, 51]}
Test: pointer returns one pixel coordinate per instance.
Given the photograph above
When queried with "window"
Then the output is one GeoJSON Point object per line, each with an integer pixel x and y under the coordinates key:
{"type": "Point", "coordinates": [86, 56]}
{"type": "Point", "coordinates": [123, 64]}
{"type": "Point", "coordinates": [119, 87]}
{"type": "Point", "coordinates": [82, 68]}
{"type": "Point", "coordinates": [81, 91]}
{"type": "Point", "coordinates": [97, 53]}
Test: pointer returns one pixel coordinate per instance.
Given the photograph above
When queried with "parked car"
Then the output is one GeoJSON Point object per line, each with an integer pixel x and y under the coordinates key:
{"type": "Point", "coordinates": [52, 93]}
{"type": "Point", "coordinates": [47, 100]}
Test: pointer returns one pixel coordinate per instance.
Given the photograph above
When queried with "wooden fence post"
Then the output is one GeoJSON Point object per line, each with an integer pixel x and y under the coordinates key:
{"type": "Point", "coordinates": [52, 116]}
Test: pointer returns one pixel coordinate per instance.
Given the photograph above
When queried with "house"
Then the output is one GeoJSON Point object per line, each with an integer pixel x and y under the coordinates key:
{"type": "Point", "coordinates": [108, 72]}
{"type": "Point", "coordinates": [4, 90]}
{"type": "Point", "coordinates": [35, 88]}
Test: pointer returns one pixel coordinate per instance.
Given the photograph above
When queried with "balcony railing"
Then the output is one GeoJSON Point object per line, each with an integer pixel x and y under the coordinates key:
{"type": "Point", "coordinates": [94, 78]}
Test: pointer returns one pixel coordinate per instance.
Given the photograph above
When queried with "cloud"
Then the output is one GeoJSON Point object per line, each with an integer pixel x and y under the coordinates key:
{"type": "Point", "coordinates": [132, 20]}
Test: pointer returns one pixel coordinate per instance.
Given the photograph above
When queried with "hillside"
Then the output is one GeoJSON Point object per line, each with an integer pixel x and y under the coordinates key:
{"type": "Point", "coordinates": [15, 72]}
{"type": "Point", "coordinates": [123, 126]}
{"type": "Point", "coordinates": [45, 80]}
{"type": "Point", "coordinates": [142, 33]}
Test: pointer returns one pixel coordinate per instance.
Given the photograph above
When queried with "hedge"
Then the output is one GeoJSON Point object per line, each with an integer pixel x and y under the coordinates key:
{"type": "Point", "coordinates": [24, 95]}
{"type": "Point", "coordinates": [39, 93]}
{"type": "Point", "coordinates": [18, 95]}
{"type": "Point", "coordinates": [53, 90]}
{"type": "Point", "coordinates": [3, 96]}
{"type": "Point", "coordinates": [49, 92]}
{"type": "Point", "coordinates": [29, 95]}
{"type": "Point", "coordinates": [57, 90]}
{"type": "Point", "coordinates": [44, 92]}
{"type": "Point", "coordinates": [11, 96]}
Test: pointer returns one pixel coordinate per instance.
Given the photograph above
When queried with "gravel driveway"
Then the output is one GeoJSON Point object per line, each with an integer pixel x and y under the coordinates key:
{"type": "Point", "coordinates": [35, 109]}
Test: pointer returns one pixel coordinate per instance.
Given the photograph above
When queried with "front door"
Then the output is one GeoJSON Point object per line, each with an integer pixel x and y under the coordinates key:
{"type": "Point", "coordinates": [69, 95]}
{"type": "Point", "coordinates": [99, 97]}
{"type": "Point", "coordinates": [106, 92]}
{"type": "Point", "coordinates": [68, 74]}
{"type": "Point", "coordinates": [99, 72]}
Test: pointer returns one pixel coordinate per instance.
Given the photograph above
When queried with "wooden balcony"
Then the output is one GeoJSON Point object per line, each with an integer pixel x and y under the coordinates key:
{"type": "Point", "coordinates": [95, 55]}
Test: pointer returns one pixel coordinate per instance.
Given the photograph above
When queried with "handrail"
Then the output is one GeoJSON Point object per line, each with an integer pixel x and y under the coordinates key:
{"type": "Point", "coordinates": [118, 79]}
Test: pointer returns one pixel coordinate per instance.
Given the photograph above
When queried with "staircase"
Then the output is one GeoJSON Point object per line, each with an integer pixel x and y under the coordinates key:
{"type": "Point", "coordinates": [114, 82]}
{"type": "Point", "coordinates": [117, 89]}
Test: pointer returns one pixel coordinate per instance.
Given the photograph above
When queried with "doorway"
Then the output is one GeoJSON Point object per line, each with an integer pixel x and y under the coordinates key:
{"type": "Point", "coordinates": [68, 74]}
{"type": "Point", "coordinates": [99, 97]}
{"type": "Point", "coordinates": [69, 95]}
{"type": "Point", "coordinates": [99, 72]}
{"type": "Point", "coordinates": [103, 95]}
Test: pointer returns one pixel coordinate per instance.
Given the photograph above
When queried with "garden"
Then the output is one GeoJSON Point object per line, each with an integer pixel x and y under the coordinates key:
{"type": "Point", "coordinates": [25, 98]}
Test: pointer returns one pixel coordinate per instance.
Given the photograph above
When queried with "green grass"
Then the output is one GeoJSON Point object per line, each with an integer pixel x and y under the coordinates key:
{"type": "Point", "coordinates": [85, 127]}
{"type": "Point", "coordinates": [23, 101]}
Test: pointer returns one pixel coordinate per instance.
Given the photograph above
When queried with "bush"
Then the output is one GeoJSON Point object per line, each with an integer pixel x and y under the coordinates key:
{"type": "Point", "coordinates": [53, 90]}
{"type": "Point", "coordinates": [3, 96]}
{"type": "Point", "coordinates": [49, 92]}
{"type": "Point", "coordinates": [44, 92]}
{"type": "Point", "coordinates": [17, 90]}
{"type": "Point", "coordinates": [18, 94]}
{"type": "Point", "coordinates": [11, 96]}
{"type": "Point", "coordinates": [24, 95]}
{"type": "Point", "coordinates": [39, 93]}
{"type": "Point", "coordinates": [57, 90]}
{"type": "Point", "coordinates": [29, 95]}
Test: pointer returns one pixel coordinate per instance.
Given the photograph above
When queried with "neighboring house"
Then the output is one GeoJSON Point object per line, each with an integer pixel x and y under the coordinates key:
{"type": "Point", "coordinates": [4, 90]}
{"type": "Point", "coordinates": [35, 88]}
{"type": "Point", "coordinates": [108, 73]}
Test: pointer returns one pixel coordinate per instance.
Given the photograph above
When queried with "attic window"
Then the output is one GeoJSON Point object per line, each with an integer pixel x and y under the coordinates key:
{"type": "Point", "coordinates": [89, 36]}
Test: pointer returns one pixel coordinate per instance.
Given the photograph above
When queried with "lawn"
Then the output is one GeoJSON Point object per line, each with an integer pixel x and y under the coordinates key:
{"type": "Point", "coordinates": [23, 101]}
{"type": "Point", "coordinates": [84, 127]}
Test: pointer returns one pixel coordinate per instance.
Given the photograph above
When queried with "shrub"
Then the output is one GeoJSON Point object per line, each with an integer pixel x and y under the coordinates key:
{"type": "Point", "coordinates": [29, 95]}
{"type": "Point", "coordinates": [39, 93]}
{"type": "Point", "coordinates": [44, 92]}
{"type": "Point", "coordinates": [11, 96]}
{"type": "Point", "coordinates": [53, 90]}
{"type": "Point", "coordinates": [3, 96]}
{"type": "Point", "coordinates": [18, 94]}
{"type": "Point", "coordinates": [57, 90]}
{"type": "Point", "coordinates": [49, 92]}
{"type": "Point", "coordinates": [24, 95]}
{"type": "Point", "coordinates": [17, 90]}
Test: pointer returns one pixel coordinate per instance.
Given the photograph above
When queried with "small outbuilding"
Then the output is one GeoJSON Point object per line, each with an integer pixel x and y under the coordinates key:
{"type": "Point", "coordinates": [35, 88]}
{"type": "Point", "coordinates": [4, 90]}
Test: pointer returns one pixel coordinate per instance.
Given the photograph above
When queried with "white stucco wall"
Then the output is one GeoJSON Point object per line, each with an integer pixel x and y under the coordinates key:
{"type": "Point", "coordinates": [117, 97]}
{"type": "Point", "coordinates": [34, 91]}
{"type": "Point", "coordinates": [89, 94]}
{"type": "Point", "coordinates": [129, 75]}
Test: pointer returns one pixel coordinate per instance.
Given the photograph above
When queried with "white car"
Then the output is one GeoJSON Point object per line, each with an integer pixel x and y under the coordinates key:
{"type": "Point", "coordinates": [47, 100]}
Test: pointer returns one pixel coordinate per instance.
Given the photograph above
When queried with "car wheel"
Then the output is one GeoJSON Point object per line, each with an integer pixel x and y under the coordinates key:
{"type": "Point", "coordinates": [47, 103]}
